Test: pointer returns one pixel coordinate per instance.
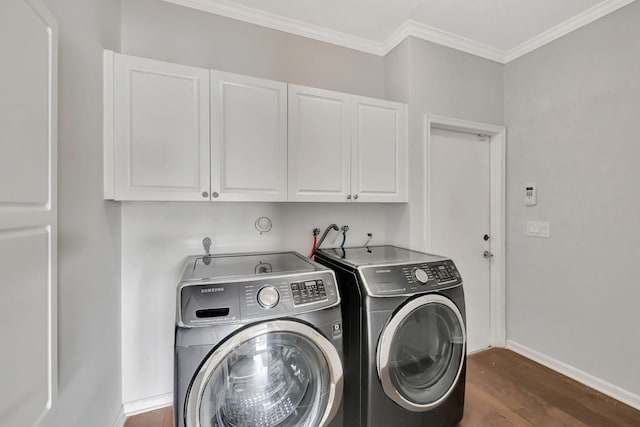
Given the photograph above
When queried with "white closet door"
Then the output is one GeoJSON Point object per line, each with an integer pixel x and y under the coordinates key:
{"type": "Point", "coordinates": [379, 151]}
{"type": "Point", "coordinates": [161, 130]}
{"type": "Point", "coordinates": [28, 213]}
{"type": "Point", "coordinates": [248, 138]}
{"type": "Point", "coordinates": [319, 145]}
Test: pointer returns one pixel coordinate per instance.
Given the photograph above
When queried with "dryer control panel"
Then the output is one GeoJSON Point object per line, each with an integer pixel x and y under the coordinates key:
{"type": "Point", "coordinates": [407, 279]}
{"type": "Point", "coordinates": [204, 304]}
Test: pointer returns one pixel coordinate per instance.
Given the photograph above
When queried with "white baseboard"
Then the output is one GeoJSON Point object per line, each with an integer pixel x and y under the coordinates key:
{"type": "Point", "coordinates": [589, 380]}
{"type": "Point", "coordinates": [120, 418]}
{"type": "Point", "coordinates": [148, 404]}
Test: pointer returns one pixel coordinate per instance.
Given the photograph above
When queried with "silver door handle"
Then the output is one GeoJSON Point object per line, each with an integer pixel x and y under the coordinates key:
{"type": "Point", "coordinates": [487, 254]}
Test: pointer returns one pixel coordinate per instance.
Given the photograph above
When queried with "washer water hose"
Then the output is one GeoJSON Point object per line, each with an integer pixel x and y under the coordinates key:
{"type": "Point", "coordinates": [316, 231]}
{"type": "Point", "coordinates": [345, 228]}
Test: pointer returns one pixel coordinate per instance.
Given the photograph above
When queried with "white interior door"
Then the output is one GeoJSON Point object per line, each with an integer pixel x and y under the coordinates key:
{"type": "Point", "coordinates": [28, 213]}
{"type": "Point", "coordinates": [459, 212]}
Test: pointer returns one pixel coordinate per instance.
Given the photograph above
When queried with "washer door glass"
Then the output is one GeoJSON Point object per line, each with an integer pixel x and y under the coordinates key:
{"type": "Point", "coordinates": [421, 352]}
{"type": "Point", "coordinates": [276, 379]}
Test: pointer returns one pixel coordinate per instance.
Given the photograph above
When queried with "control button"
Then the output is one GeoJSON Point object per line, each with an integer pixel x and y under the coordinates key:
{"type": "Point", "coordinates": [420, 275]}
{"type": "Point", "coordinates": [268, 297]}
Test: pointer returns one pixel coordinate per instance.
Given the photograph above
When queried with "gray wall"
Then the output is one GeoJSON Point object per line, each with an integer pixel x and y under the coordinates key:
{"type": "Point", "coordinates": [161, 30]}
{"type": "Point", "coordinates": [571, 109]}
{"type": "Point", "coordinates": [89, 390]}
{"type": "Point", "coordinates": [443, 81]}
{"type": "Point", "coordinates": [398, 79]}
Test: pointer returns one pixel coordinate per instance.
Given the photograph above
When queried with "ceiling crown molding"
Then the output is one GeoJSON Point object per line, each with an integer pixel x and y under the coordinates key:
{"type": "Point", "coordinates": [445, 38]}
{"type": "Point", "coordinates": [566, 27]}
{"type": "Point", "coordinates": [281, 23]}
{"type": "Point", "coordinates": [408, 28]}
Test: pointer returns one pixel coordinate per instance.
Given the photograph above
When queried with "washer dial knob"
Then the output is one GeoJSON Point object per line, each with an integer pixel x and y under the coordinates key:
{"type": "Point", "coordinates": [268, 297]}
{"type": "Point", "coordinates": [420, 276]}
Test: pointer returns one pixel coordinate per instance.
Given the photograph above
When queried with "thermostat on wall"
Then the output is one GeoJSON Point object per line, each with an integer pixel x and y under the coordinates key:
{"type": "Point", "coordinates": [530, 194]}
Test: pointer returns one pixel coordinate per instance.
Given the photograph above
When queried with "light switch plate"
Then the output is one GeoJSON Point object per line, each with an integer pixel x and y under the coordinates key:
{"type": "Point", "coordinates": [538, 229]}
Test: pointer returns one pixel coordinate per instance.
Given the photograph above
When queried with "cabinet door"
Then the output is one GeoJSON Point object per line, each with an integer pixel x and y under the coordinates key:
{"type": "Point", "coordinates": [161, 130]}
{"type": "Point", "coordinates": [379, 151]}
{"type": "Point", "coordinates": [248, 138]}
{"type": "Point", "coordinates": [319, 141]}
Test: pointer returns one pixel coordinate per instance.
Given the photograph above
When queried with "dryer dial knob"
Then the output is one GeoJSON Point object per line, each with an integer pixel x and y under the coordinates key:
{"type": "Point", "coordinates": [268, 297]}
{"type": "Point", "coordinates": [420, 276]}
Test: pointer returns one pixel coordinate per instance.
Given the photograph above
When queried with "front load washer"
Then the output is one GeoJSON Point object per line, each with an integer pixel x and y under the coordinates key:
{"type": "Point", "coordinates": [404, 332]}
{"type": "Point", "coordinates": [258, 342]}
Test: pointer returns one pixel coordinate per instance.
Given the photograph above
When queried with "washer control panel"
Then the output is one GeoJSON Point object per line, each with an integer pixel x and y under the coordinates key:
{"type": "Point", "coordinates": [442, 273]}
{"type": "Point", "coordinates": [203, 304]}
{"type": "Point", "coordinates": [307, 292]}
{"type": "Point", "coordinates": [410, 278]}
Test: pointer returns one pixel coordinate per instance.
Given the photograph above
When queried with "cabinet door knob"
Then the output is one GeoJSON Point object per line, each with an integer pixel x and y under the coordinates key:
{"type": "Point", "coordinates": [348, 196]}
{"type": "Point", "coordinates": [205, 194]}
{"type": "Point", "coordinates": [355, 197]}
{"type": "Point", "coordinates": [215, 194]}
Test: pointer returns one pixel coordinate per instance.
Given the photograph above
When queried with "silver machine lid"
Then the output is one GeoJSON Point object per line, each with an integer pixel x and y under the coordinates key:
{"type": "Point", "coordinates": [246, 265]}
{"type": "Point", "coordinates": [378, 255]}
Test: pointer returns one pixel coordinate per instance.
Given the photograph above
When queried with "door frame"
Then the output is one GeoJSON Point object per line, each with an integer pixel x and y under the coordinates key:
{"type": "Point", "coordinates": [497, 178]}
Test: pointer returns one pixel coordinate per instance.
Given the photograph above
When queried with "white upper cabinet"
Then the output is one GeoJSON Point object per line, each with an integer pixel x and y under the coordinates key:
{"type": "Point", "coordinates": [379, 151]}
{"type": "Point", "coordinates": [346, 148]}
{"type": "Point", "coordinates": [248, 138]}
{"type": "Point", "coordinates": [319, 145]}
{"type": "Point", "coordinates": [179, 133]}
{"type": "Point", "coordinates": [160, 130]}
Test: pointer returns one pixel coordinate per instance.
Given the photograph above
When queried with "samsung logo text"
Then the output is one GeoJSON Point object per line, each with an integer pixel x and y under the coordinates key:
{"type": "Point", "coordinates": [210, 290]}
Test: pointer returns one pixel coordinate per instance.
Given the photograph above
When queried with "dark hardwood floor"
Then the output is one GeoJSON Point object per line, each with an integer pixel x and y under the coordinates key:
{"type": "Point", "coordinates": [506, 389]}
{"type": "Point", "coordinates": [162, 417]}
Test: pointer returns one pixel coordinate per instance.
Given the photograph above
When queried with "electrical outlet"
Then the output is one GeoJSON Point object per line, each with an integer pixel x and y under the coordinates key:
{"type": "Point", "coordinates": [538, 229]}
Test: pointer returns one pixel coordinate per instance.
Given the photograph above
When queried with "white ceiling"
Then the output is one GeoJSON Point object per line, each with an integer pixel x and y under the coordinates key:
{"type": "Point", "coordinates": [500, 30]}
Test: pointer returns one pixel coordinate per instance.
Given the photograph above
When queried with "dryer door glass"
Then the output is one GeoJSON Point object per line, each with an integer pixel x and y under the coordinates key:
{"type": "Point", "coordinates": [276, 379]}
{"type": "Point", "coordinates": [423, 354]}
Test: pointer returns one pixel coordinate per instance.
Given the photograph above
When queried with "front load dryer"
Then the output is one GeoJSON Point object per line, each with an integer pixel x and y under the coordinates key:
{"type": "Point", "coordinates": [405, 340]}
{"type": "Point", "coordinates": [258, 342]}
